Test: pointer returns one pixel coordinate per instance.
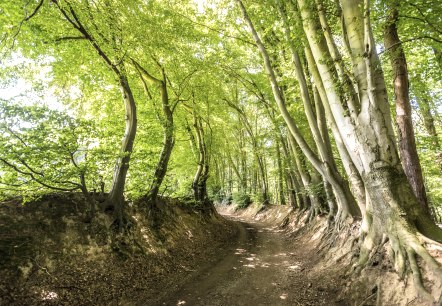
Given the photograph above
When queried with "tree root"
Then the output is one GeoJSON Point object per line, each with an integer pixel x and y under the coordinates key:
{"type": "Point", "coordinates": [405, 246]}
{"type": "Point", "coordinates": [429, 241]}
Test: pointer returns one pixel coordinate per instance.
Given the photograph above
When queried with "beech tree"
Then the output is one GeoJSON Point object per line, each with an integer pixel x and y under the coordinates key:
{"type": "Point", "coordinates": [361, 112]}
{"type": "Point", "coordinates": [269, 102]}
{"type": "Point", "coordinates": [407, 143]}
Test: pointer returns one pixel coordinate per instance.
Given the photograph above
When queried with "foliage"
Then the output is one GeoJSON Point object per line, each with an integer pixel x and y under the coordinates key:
{"type": "Point", "coordinates": [208, 56]}
{"type": "Point", "coordinates": [241, 199]}
{"type": "Point", "coordinates": [46, 149]}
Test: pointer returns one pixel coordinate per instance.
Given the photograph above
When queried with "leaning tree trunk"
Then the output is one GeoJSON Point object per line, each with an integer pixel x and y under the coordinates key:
{"type": "Point", "coordinates": [116, 197]}
{"type": "Point", "coordinates": [347, 207]}
{"type": "Point", "coordinates": [392, 209]}
{"type": "Point", "coordinates": [404, 123]}
{"type": "Point", "coordinates": [354, 177]}
{"type": "Point", "coordinates": [313, 199]}
{"type": "Point", "coordinates": [199, 185]}
{"type": "Point", "coordinates": [168, 127]}
{"type": "Point", "coordinates": [168, 144]}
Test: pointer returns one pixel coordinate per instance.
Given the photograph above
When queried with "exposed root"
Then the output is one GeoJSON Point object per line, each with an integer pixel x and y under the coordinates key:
{"type": "Point", "coordinates": [429, 241]}
{"type": "Point", "coordinates": [405, 247]}
{"type": "Point", "coordinates": [417, 277]}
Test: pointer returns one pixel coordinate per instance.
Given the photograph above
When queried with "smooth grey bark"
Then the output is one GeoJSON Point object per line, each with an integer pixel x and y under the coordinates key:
{"type": "Point", "coordinates": [116, 194]}
{"type": "Point", "coordinates": [347, 208]}
{"type": "Point", "coordinates": [354, 177]}
{"type": "Point", "coordinates": [392, 208]}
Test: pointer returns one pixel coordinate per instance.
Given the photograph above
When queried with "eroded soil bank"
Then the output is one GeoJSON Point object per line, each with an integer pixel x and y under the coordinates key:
{"type": "Point", "coordinates": [50, 253]}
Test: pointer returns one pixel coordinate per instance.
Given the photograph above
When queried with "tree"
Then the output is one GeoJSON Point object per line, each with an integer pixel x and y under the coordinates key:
{"type": "Point", "coordinates": [363, 121]}
{"type": "Point", "coordinates": [407, 144]}
{"type": "Point", "coordinates": [347, 205]}
{"type": "Point", "coordinates": [168, 126]}
{"type": "Point", "coordinates": [44, 148]}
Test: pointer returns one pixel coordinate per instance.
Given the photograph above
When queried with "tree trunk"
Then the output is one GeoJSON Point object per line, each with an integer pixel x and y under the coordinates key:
{"type": "Point", "coordinates": [116, 197]}
{"type": "Point", "coordinates": [280, 173]}
{"type": "Point", "coordinates": [168, 127]}
{"type": "Point", "coordinates": [428, 118]}
{"type": "Point", "coordinates": [348, 207]}
{"type": "Point", "coordinates": [357, 185]}
{"type": "Point", "coordinates": [199, 185]}
{"type": "Point", "coordinates": [392, 209]}
{"type": "Point", "coordinates": [258, 158]}
{"type": "Point", "coordinates": [310, 196]}
{"type": "Point", "coordinates": [116, 194]}
{"type": "Point", "coordinates": [238, 174]}
{"type": "Point", "coordinates": [407, 143]}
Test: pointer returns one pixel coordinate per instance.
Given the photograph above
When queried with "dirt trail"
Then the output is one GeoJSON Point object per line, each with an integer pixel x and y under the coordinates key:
{"type": "Point", "coordinates": [263, 267]}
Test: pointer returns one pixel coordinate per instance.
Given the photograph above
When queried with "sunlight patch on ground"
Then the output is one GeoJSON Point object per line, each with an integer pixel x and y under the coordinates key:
{"type": "Point", "coordinates": [273, 229]}
{"type": "Point", "coordinates": [295, 267]}
{"type": "Point", "coordinates": [240, 251]}
{"type": "Point", "coordinates": [250, 266]}
{"type": "Point", "coordinates": [318, 234]}
{"type": "Point", "coordinates": [48, 295]}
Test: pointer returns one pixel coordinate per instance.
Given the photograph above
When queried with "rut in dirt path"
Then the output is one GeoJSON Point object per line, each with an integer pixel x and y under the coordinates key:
{"type": "Point", "coordinates": [262, 268]}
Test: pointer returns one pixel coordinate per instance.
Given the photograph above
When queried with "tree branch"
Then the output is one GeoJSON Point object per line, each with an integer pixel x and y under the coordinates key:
{"type": "Point", "coordinates": [76, 23]}
{"type": "Point", "coordinates": [39, 5]}
{"type": "Point", "coordinates": [31, 175]}
{"type": "Point", "coordinates": [30, 168]}
{"type": "Point", "coordinates": [16, 136]}
{"type": "Point", "coordinates": [145, 73]}
{"type": "Point", "coordinates": [410, 40]}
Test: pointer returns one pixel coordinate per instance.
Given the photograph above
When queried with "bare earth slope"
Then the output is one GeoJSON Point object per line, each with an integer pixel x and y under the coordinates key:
{"type": "Point", "coordinates": [50, 254]}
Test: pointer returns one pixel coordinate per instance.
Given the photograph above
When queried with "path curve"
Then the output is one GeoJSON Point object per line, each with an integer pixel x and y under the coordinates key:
{"type": "Point", "coordinates": [262, 268]}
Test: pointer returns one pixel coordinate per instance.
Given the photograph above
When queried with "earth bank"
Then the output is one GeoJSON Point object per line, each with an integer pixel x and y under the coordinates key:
{"type": "Point", "coordinates": [51, 253]}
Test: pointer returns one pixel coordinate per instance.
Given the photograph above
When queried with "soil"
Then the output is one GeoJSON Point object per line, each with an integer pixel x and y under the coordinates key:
{"type": "Point", "coordinates": [266, 265]}
{"type": "Point", "coordinates": [51, 254]}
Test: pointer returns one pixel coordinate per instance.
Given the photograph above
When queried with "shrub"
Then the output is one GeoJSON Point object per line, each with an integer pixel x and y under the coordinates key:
{"type": "Point", "coordinates": [241, 199]}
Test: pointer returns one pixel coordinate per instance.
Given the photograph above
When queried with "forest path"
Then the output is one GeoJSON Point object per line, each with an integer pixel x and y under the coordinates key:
{"type": "Point", "coordinates": [262, 267]}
